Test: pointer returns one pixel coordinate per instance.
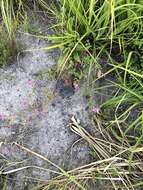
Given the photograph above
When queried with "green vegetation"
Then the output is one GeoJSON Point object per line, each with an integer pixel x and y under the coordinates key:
{"type": "Point", "coordinates": [5, 51]}
{"type": "Point", "coordinates": [87, 33]}
{"type": "Point", "coordinates": [13, 15]}
{"type": "Point", "coordinates": [96, 27]}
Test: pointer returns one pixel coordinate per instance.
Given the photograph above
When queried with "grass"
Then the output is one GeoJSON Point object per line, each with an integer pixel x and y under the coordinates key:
{"type": "Point", "coordinates": [13, 14]}
{"type": "Point", "coordinates": [88, 32]}
{"type": "Point", "coordinates": [6, 51]}
{"type": "Point", "coordinates": [86, 26]}
{"type": "Point", "coordinates": [10, 14]}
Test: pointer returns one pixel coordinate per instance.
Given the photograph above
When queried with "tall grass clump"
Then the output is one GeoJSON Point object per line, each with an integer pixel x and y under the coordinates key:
{"type": "Point", "coordinates": [12, 14]}
{"type": "Point", "coordinates": [97, 26]}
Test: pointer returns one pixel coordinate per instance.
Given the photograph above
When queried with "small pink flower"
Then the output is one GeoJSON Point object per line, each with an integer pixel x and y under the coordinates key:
{"type": "Point", "coordinates": [24, 103]}
{"type": "Point", "coordinates": [41, 113]}
{"type": "Point", "coordinates": [76, 85]}
{"type": "Point", "coordinates": [95, 110]}
{"type": "Point", "coordinates": [18, 89]}
{"type": "Point", "coordinates": [2, 116]}
{"type": "Point", "coordinates": [31, 82]}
